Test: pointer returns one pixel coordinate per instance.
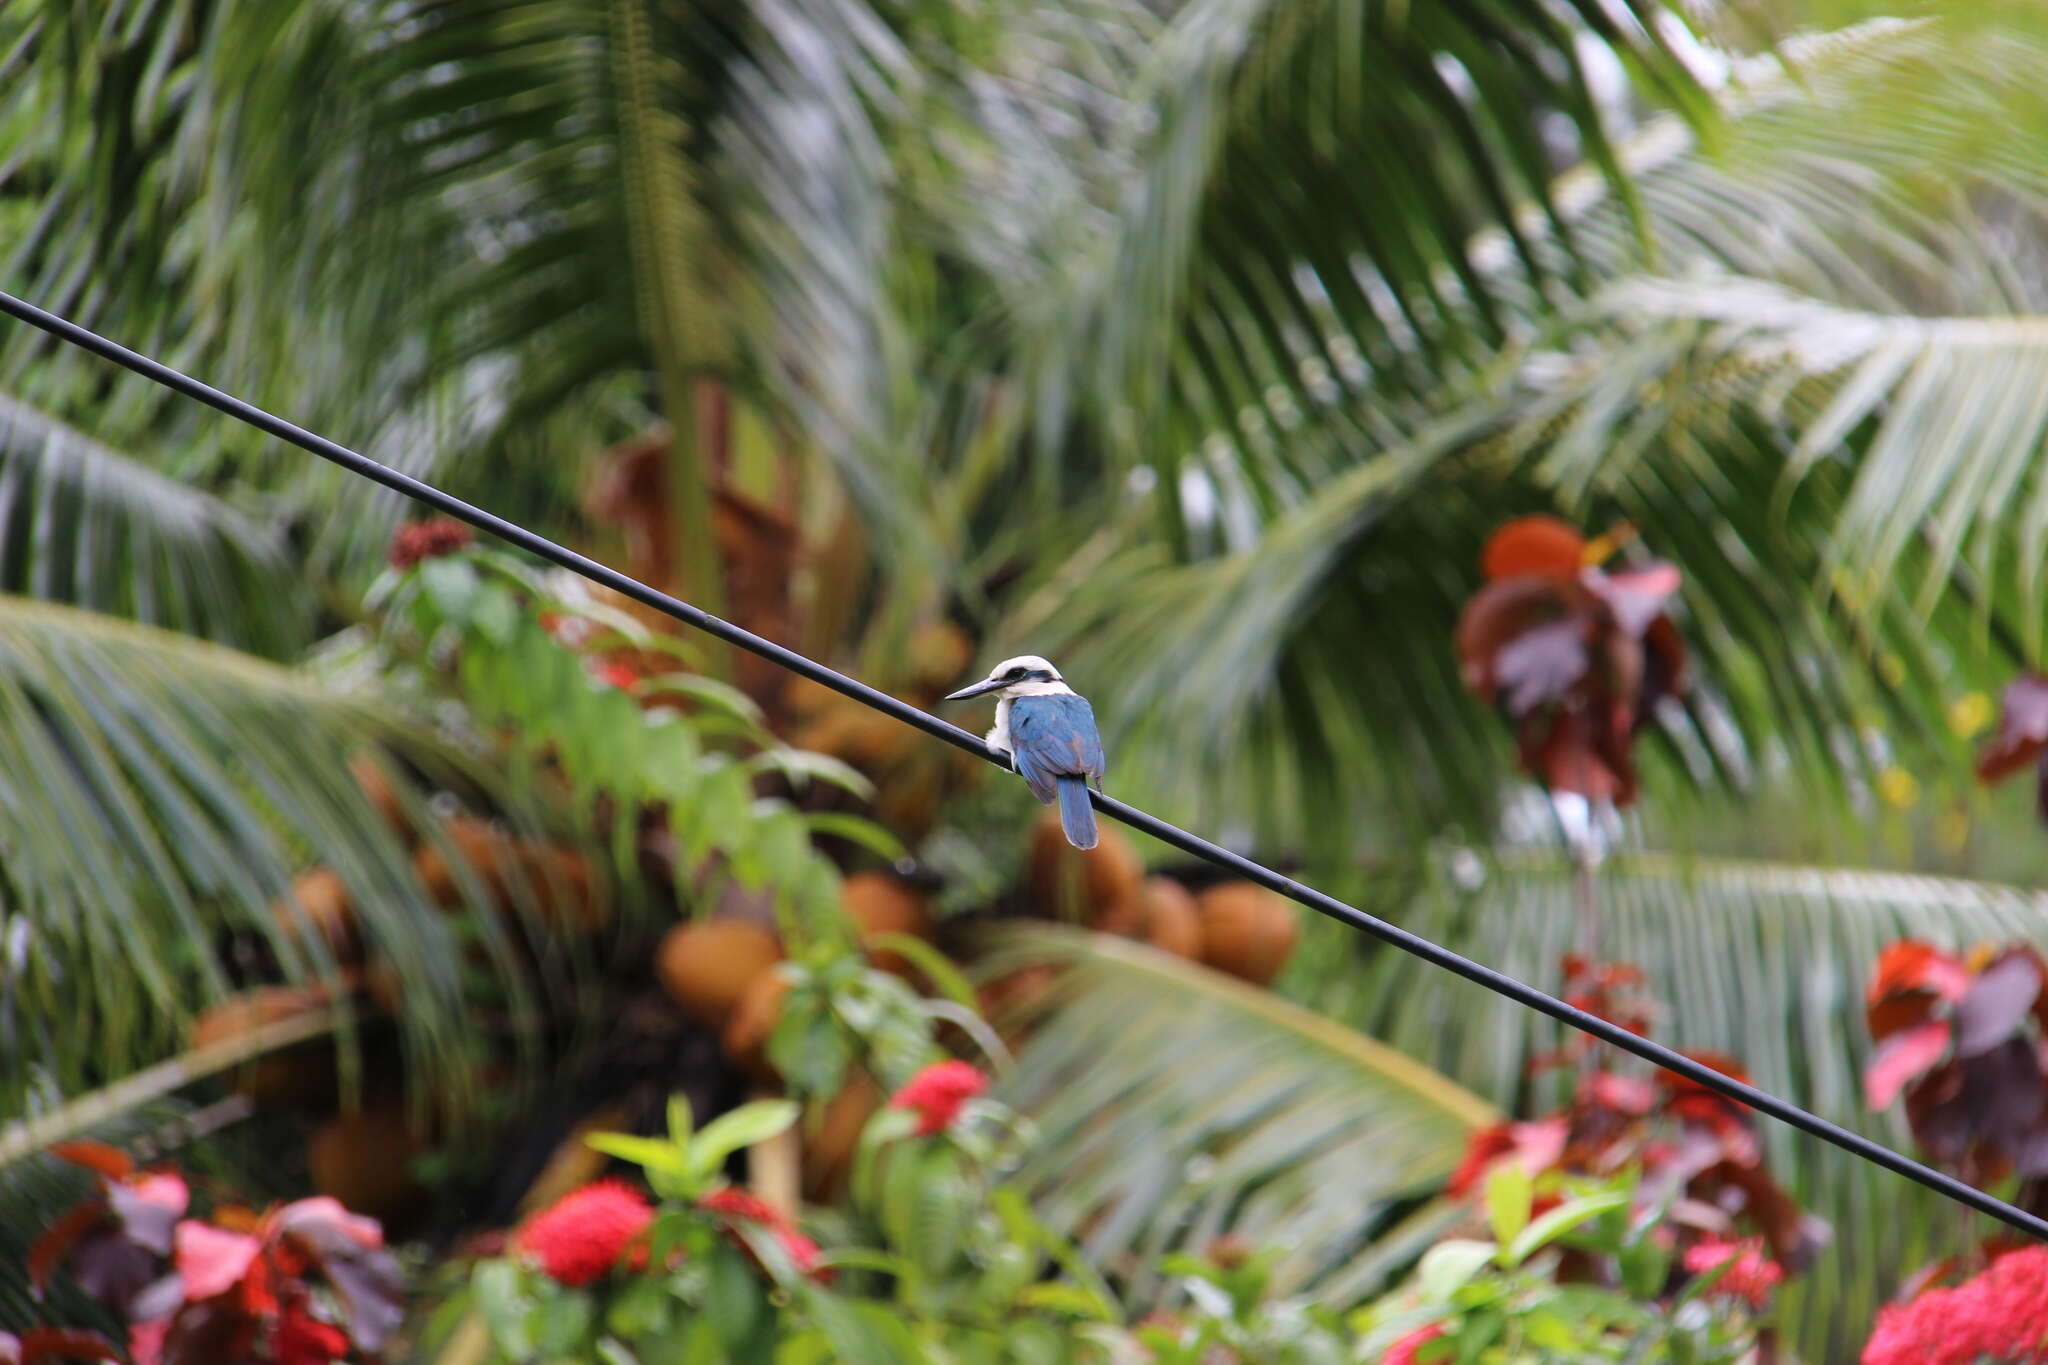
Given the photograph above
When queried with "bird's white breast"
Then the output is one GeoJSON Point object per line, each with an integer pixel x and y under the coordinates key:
{"type": "Point", "coordinates": [999, 734]}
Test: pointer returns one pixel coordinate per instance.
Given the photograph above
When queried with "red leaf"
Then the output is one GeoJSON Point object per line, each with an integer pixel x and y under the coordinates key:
{"type": "Point", "coordinates": [1901, 1058]}
{"type": "Point", "coordinates": [48, 1250]}
{"type": "Point", "coordinates": [1910, 965]}
{"type": "Point", "coordinates": [109, 1161]}
{"type": "Point", "coordinates": [2022, 729]}
{"type": "Point", "coordinates": [212, 1261]}
{"type": "Point", "coordinates": [65, 1343]}
{"type": "Point", "coordinates": [1544, 546]}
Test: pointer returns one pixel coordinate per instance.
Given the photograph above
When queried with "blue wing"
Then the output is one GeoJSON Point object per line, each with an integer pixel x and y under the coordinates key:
{"type": "Point", "coordinates": [1054, 737]}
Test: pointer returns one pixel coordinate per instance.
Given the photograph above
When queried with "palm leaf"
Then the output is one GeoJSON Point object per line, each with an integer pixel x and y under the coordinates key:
{"type": "Point", "coordinates": [160, 795]}
{"type": "Point", "coordinates": [1774, 433]}
{"type": "Point", "coordinates": [1763, 961]}
{"type": "Point", "coordinates": [83, 524]}
{"type": "Point", "coordinates": [1174, 1105]}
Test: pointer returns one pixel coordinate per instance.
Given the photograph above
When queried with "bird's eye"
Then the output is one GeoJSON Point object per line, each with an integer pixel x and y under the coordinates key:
{"type": "Point", "coordinates": [1016, 673]}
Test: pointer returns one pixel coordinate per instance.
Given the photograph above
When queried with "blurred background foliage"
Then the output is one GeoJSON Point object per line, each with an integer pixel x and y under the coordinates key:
{"type": "Point", "coordinates": [1198, 344]}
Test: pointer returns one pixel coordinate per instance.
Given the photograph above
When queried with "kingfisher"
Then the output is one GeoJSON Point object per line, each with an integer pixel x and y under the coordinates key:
{"type": "Point", "coordinates": [1047, 730]}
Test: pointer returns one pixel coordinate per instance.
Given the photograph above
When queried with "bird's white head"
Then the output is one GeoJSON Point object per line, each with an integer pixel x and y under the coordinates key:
{"type": "Point", "coordinates": [1027, 675]}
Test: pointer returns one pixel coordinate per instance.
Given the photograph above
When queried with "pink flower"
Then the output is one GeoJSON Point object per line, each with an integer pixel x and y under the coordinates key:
{"type": "Point", "coordinates": [211, 1260]}
{"type": "Point", "coordinates": [1403, 1351]}
{"type": "Point", "coordinates": [1753, 1276]}
{"type": "Point", "coordinates": [582, 1235]}
{"type": "Point", "coordinates": [2001, 1314]}
{"type": "Point", "coordinates": [620, 676]}
{"type": "Point", "coordinates": [936, 1094]}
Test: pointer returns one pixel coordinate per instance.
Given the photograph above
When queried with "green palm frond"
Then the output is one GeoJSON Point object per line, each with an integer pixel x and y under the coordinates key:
{"type": "Point", "coordinates": [1765, 962]}
{"type": "Point", "coordinates": [1175, 1105]}
{"type": "Point", "coordinates": [160, 795]}
{"type": "Point", "coordinates": [1826, 444]}
{"type": "Point", "coordinates": [84, 524]}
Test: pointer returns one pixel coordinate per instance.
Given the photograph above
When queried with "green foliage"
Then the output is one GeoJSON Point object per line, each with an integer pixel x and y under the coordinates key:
{"type": "Point", "coordinates": [689, 1164]}
{"type": "Point", "coordinates": [471, 624]}
{"type": "Point", "coordinates": [958, 1270]}
{"type": "Point", "coordinates": [1505, 1299]}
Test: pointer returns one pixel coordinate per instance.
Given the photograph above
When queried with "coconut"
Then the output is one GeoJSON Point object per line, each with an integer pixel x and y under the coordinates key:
{"type": "Point", "coordinates": [753, 1022]}
{"type": "Point", "coordinates": [1162, 914]}
{"type": "Point", "coordinates": [1247, 931]}
{"type": "Point", "coordinates": [1080, 884]}
{"type": "Point", "coordinates": [361, 1159]}
{"type": "Point", "coordinates": [707, 966]}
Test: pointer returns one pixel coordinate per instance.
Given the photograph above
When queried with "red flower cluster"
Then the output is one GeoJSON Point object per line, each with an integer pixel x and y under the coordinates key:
{"type": "Point", "coordinates": [2001, 1315]}
{"type": "Point", "coordinates": [420, 540]}
{"type": "Point", "coordinates": [1753, 1276]}
{"type": "Point", "coordinates": [581, 1236]}
{"type": "Point", "coordinates": [937, 1093]}
{"type": "Point", "coordinates": [1403, 1351]}
{"type": "Point", "coordinates": [736, 1205]}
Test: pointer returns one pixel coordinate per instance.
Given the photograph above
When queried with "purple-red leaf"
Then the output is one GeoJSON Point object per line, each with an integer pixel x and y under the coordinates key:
{"type": "Point", "coordinates": [1903, 1057]}
{"type": "Point", "coordinates": [1541, 665]}
{"type": "Point", "coordinates": [2022, 728]}
{"type": "Point", "coordinates": [2001, 996]}
{"type": "Point", "coordinates": [148, 1211]}
{"type": "Point", "coordinates": [47, 1252]}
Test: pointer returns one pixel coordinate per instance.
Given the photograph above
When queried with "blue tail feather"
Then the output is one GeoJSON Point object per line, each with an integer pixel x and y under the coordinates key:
{"type": "Point", "coordinates": [1077, 816]}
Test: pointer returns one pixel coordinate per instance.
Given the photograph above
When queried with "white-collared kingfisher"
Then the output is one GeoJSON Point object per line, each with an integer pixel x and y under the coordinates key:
{"type": "Point", "coordinates": [1048, 730]}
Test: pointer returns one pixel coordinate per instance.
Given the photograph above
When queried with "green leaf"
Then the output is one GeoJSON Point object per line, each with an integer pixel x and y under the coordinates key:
{"type": "Point", "coordinates": [657, 1156]}
{"type": "Point", "coordinates": [856, 830]}
{"type": "Point", "coordinates": [1449, 1265]}
{"type": "Point", "coordinates": [1559, 1221]}
{"type": "Point", "coordinates": [936, 966]}
{"type": "Point", "coordinates": [504, 1306]}
{"type": "Point", "coordinates": [755, 1121]}
{"type": "Point", "coordinates": [561, 1322]}
{"type": "Point", "coordinates": [1510, 1192]}
{"type": "Point", "coordinates": [733, 1303]}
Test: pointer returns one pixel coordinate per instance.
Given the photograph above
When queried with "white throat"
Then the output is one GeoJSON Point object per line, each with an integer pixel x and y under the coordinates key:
{"type": "Point", "coordinates": [998, 736]}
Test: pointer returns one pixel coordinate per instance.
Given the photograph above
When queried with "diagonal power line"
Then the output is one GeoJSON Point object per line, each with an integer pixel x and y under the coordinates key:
{"type": "Point", "coordinates": [1433, 953]}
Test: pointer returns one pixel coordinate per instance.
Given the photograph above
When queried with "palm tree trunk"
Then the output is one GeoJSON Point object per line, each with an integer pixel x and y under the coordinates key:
{"type": "Point", "coordinates": [680, 330]}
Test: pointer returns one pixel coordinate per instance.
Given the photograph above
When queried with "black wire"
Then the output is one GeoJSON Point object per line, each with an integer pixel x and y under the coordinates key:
{"type": "Point", "coordinates": [1423, 948]}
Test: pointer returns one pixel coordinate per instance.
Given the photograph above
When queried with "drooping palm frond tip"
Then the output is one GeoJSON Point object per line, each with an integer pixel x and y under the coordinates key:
{"type": "Point", "coordinates": [161, 796]}
{"type": "Point", "coordinates": [84, 524]}
{"type": "Point", "coordinates": [1175, 1105]}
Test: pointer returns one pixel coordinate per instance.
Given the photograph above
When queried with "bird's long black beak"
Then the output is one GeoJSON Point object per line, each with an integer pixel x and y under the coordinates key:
{"type": "Point", "coordinates": [988, 685]}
